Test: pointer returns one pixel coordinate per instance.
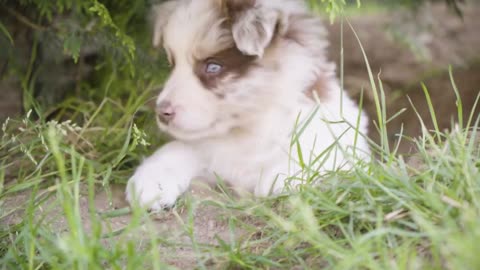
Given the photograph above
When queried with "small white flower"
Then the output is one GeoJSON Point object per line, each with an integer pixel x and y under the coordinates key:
{"type": "Point", "coordinates": [4, 126]}
{"type": "Point", "coordinates": [139, 136]}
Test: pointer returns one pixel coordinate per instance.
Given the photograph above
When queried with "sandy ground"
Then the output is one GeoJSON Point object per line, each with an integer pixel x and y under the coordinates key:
{"type": "Point", "coordinates": [208, 221]}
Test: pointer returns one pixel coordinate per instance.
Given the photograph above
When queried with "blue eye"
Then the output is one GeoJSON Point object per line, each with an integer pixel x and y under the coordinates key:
{"type": "Point", "coordinates": [213, 68]}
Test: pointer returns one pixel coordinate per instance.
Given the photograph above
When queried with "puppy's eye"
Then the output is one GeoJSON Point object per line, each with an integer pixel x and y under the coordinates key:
{"type": "Point", "coordinates": [213, 68]}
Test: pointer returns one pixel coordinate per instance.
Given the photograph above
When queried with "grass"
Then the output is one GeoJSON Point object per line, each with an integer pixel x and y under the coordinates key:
{"type": "Point", "coordinates": [420, 213]}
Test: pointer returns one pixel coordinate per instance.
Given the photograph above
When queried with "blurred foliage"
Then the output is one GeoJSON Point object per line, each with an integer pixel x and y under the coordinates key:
{"type": "Point", "coordinates": [81, 23]}
{"type": "Point", "coordinates": [415, 4]}
{"type": "Point", "coordinates": [53, 49]}
{"type": "Point", "coordinates": [335, 7]}
{"type": "Point", "coordinates": [331, 7]}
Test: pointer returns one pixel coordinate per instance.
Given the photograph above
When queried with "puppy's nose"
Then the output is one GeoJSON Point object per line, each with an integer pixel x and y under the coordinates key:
{"type": "Point", "coordinates": [165, 111]}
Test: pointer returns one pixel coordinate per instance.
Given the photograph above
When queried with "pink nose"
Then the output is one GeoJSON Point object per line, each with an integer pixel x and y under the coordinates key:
{"type": "Point", "coordinates": [165, 111]}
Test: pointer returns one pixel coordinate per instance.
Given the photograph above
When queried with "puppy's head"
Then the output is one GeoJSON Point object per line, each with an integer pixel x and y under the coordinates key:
{"type": "Point", "coordinates": [220, 69]}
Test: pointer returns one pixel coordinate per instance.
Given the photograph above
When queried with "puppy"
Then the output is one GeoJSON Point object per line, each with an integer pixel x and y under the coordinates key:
{"type": "Point", "coordinates": [251, 99]}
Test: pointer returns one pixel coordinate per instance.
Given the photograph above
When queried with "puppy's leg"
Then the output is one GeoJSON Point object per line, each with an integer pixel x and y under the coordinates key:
{"type": "Point", "coordinates": [275, 178]}
{"type": "Point", "coordinates": [164, 176]}
{"type": "Point", "coordinates": [271, 182]}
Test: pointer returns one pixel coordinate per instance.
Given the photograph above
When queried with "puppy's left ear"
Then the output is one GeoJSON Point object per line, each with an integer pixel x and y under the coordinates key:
{"type": "Point", "coordinates": [253, 26]}
{"type": "Point", "coordinates": [161, 13]}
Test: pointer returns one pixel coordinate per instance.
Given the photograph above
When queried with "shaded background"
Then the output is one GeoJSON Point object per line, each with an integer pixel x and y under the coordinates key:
{"type": "Point", "coordinates": [57, 56]}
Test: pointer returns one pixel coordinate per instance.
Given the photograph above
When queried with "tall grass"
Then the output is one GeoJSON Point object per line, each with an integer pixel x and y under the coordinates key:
{"type": "Point", "coordinates": [423, 213]}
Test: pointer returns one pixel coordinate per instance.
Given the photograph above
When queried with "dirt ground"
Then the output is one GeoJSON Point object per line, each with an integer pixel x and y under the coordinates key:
{"type": "Point", "coordinates": [453, 41]}
{"type": "Point", "coordinates": [210, 223]}
{"type": "Point", "coordinates": [448, 40]}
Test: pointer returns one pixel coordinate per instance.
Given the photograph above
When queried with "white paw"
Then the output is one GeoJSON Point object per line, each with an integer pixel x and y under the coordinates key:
{"type": "Point", "coordinates": [150, 194]}
{"type": "Point", "coordinates": [152, 189]}
{"type": "Point", "coordinates": [162, 177]}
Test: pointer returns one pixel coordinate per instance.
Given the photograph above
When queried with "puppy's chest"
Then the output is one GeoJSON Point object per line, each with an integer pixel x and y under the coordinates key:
{"type": "Point", "coordinates": [242, 160]}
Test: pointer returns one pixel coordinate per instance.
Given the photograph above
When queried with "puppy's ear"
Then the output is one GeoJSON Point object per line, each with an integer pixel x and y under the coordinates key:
{"type": "Point", "coordinates": [160, 14]}
{"type": "Point", "coordinates": [253, 26]}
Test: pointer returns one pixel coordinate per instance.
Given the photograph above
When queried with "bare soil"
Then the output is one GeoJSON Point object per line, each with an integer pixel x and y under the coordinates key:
{"type": "Point", "coordinates": [448, 40]}
{"type": "Point", "coordinates": [209, 222]}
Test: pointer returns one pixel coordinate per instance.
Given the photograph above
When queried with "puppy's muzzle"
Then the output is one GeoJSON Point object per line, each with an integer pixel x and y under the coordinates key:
{"type": "Point", "coordinates": [165, 112]}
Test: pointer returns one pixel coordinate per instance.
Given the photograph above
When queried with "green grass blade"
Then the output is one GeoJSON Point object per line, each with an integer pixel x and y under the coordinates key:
{"type": "Point", "coordinates": [6, 33]}
{"type": "Point", "coordinates": [431, 109]}
{"type": "Point", "coordinates": [458, 100]}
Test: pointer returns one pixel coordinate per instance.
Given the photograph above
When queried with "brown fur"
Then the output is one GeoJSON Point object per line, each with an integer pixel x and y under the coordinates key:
{"type": "Point", "coordinates": [234, 8]}
{"type": "Point", "coordinates": [319, 89]}
{"type": "Point", "coordinates": [295, 32]}
{"type": "Point", "coordinates": [233, 62]}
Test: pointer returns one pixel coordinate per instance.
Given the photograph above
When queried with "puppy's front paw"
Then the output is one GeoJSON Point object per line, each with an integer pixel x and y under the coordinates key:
{"type": "Point", "coordinates": [163, 177]}
{"type": "Point", "coordinates": [153, 189]}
